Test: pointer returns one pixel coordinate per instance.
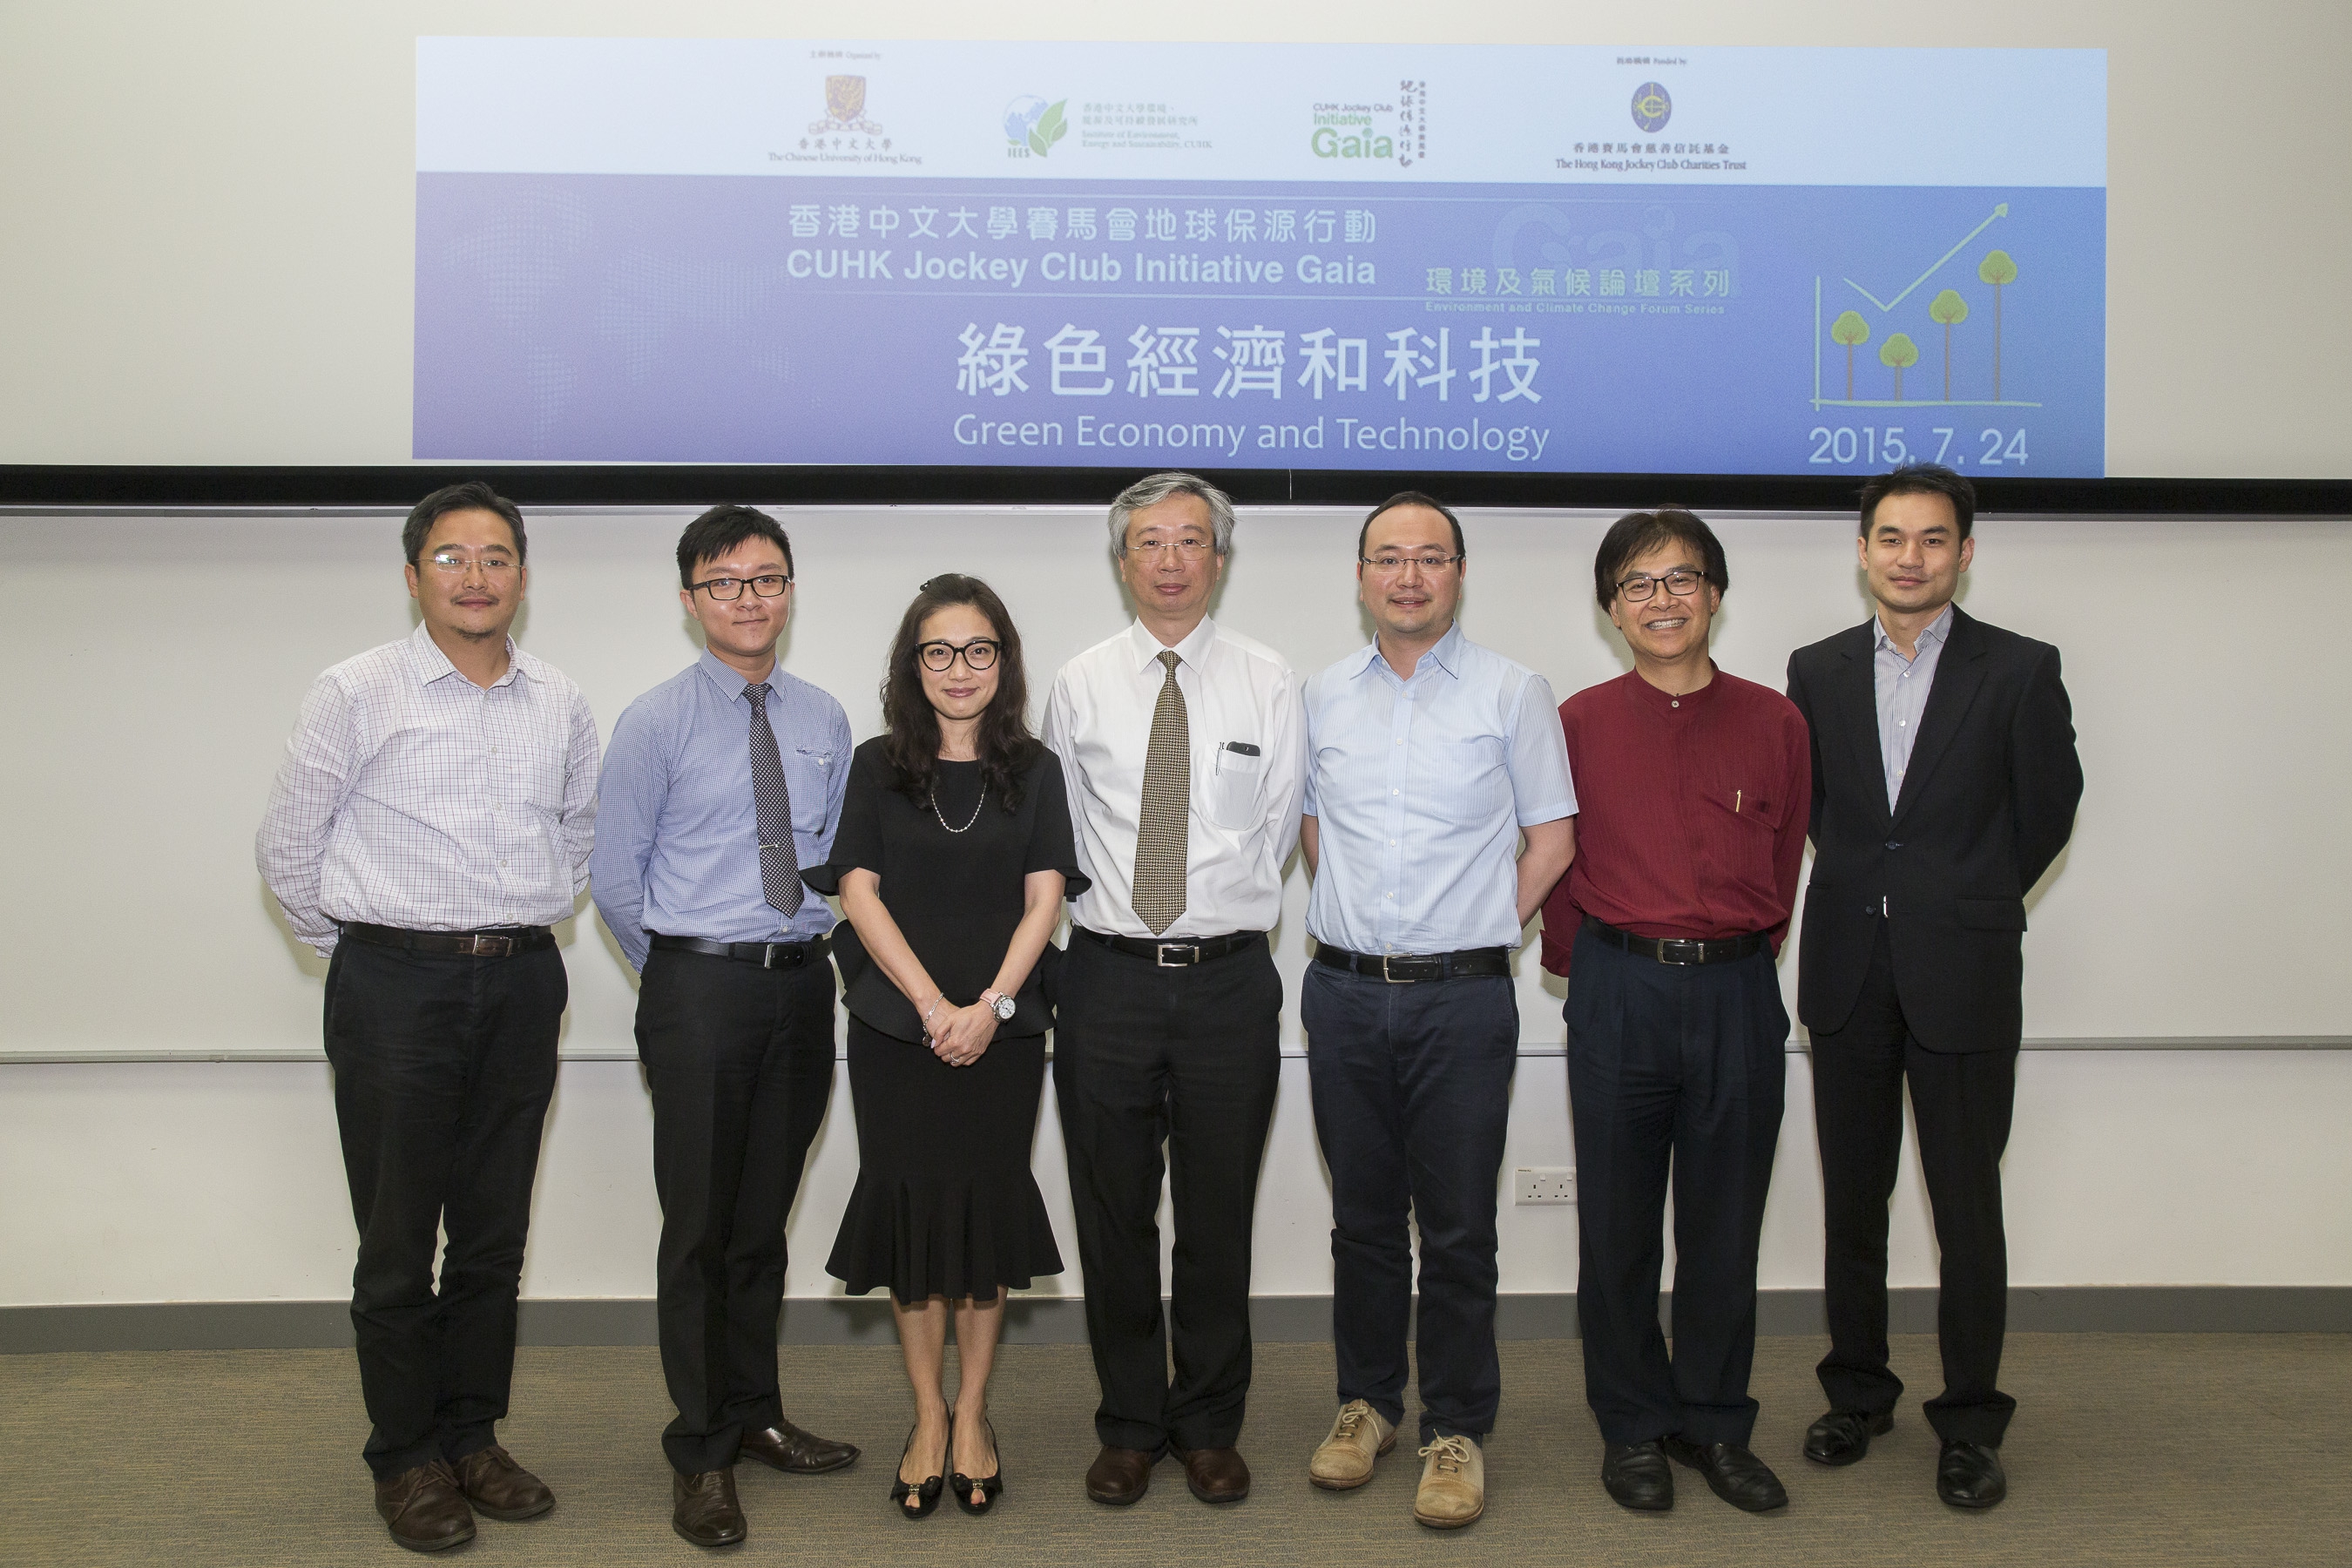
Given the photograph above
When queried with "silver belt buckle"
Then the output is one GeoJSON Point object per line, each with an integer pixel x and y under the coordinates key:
{"type": "Point", "coordinates": [1160, 958]}
{"type": "Point", "coordinates": [1386, 976]}
{"type": "Point", "coordinates": [767, 955]}
{"type": "Point", "coordinates": [493, 946]}
{"type": "Point", "coordinates": [1698, 955]}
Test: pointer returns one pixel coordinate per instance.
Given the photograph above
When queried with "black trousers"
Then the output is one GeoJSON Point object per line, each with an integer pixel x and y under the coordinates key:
{"type": "Point", "coordinates": [1190, 1056]}
{"type": "Point", "coordinates": [444, 1067]}
{"type": "Point", "coordinates": [1961, 1103]}
{"type": "Point", "coordinates": [1412, 1098]}
{"type": "Point", "coordinates": [739, 1061]}
{"type": "Point", "coordinates": [1680, 1065]}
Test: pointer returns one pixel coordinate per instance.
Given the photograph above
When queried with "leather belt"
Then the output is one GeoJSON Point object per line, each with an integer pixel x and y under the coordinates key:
{"type": "Point", "coordinates": [766, 954]}
{"type": "Point", "coordinates": [1401, 968]}
{"type": "Point", "coordinates": [495, 942]}
{"type": "Point", "coordinates": [1175, 955]}
{"type": "Point", "coordinates": [1681, 950]}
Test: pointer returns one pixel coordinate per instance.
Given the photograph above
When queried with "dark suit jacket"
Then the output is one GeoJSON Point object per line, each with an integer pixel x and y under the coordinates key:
{"type": "Point", "coordinates": [1987, 803]}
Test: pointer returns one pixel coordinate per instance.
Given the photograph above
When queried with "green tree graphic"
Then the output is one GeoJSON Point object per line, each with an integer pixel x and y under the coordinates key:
{"type": "Point", "coordinates": [1898, 352]}
{"type": "Point", "coordinates": [1950, 309]}
{"type": "Point", "coordinates": [1852, 330]}
{"type": "Point", "coordinates": [1050, 128]}
{"type": "Point", "coordinates": [1996, 269]}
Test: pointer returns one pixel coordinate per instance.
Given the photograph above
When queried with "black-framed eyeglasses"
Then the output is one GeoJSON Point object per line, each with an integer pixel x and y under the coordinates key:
{"type": "Point", "coordinates": [1682, 583]}
{"type": "Point", "coordinates": [979, 654]}
{"type": "Point", "coordinates": [767, 585]}
{"type": "Point", "coordinates": [1428, 562]}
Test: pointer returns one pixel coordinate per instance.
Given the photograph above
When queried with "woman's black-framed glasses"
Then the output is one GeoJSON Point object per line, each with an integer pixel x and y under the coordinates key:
{"type": "Point", "coordinates": [767, 586]}
{"type": "Point", "coordinates": [939, 656]}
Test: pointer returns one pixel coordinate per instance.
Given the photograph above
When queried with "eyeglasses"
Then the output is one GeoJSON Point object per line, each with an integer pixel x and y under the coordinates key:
{"type": "Point", "coordinates": [1183, 549]}
{"type": "Point", "coordinates": [1432, 561]}
{"type": "Point", "coordinates": [1682, 582]}
{"type": "Point", "coordinates": [939, 656]}
{"type": "Point", "coordinates": [767, 586]}
{"type": "Point", "coordinates": [453, 561]}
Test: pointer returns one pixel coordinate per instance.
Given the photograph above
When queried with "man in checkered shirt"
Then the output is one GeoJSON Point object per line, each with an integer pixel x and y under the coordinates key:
{"type": "Point", "coordinates": [430, 822]}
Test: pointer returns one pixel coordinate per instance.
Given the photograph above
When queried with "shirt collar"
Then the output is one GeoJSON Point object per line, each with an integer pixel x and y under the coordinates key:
{"type": "Point", "coordinates": [431, 664]}
{"type": "Point", "coordinates": [1446, 655]}
{"type": "Point", "coordinates": [1931, 635]}
{"type": "Point", "coordinates": [728, 679]}
{"type": "Point", "coordinates": [1650, 697]}
{"type": "Point", "coordinates": [1192, 650]}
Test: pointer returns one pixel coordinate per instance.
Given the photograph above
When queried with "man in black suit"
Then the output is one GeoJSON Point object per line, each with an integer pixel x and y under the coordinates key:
{"type": "Point", "coordinates": [1945, 782]}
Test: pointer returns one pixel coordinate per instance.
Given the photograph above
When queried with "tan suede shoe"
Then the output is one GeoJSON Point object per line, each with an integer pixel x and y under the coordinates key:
{"type": "Point", "coordinates": [1453, 1484]}
{"type": "Point", "coordinates": [1358, 1438]}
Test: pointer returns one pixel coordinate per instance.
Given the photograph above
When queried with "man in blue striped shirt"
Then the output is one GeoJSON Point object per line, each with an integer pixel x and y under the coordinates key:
{"type": "Point", "coordinates": [1429, 758]}
{"type": "Point", "coordinates": [720, 785]}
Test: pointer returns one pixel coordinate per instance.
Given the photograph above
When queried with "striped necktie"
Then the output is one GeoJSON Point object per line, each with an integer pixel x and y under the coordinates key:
{"type": "Point", "coordinates": [1161, 825]}
{"type": "Point", "coordinates": [779, 861]}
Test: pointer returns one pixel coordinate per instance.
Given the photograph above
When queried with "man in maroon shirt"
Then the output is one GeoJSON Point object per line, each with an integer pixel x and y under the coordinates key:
{"type": "Point", "coordinates": [1693, 788]}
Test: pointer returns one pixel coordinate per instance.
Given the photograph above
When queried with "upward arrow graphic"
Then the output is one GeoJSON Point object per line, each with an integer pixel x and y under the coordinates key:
{"type": "Point", "coordinates": [1999, 212]}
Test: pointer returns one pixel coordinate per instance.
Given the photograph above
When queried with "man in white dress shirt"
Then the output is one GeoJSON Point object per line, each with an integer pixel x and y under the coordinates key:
{"type": "Point", "coordinates": [430, 823]}
{"type": "Point", "coordinates": [1183, 749]}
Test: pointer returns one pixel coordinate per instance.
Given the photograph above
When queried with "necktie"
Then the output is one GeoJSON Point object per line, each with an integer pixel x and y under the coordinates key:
{"type": "Point", "coordinates": [779, 862]}
{"type": "Point", "coordinates": [1161, 825]}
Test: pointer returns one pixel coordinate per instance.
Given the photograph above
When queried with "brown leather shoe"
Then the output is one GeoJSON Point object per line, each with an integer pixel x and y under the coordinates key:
{"type": "Point", "coordinates": [1119, 1476]}
{"type": "Point", "coordinates": [499, 1487]}
{"type": "Point", "coordinates": [786, 1448]}
{"type": "Point", "coordinates": [424, 1510]}
{"type": "Point", "coordinates": [1215, 1475]}
{"type": "Point", "coordinates": [704, 1510]}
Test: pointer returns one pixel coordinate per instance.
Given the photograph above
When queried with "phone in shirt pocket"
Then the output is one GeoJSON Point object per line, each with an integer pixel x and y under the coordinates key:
{"type": "Point", "coordinates": [1238, 773]}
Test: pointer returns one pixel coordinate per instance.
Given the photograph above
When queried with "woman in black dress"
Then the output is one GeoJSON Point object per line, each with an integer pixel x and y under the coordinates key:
{"type": "Point", "coordinates": [953, 859]}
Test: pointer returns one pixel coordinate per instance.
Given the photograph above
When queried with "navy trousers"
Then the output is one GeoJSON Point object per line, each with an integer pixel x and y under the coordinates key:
{"type": "Point", "coordinates": [1680, 1067]}
{"type": "Point", "coordinates": [1412, 1088]}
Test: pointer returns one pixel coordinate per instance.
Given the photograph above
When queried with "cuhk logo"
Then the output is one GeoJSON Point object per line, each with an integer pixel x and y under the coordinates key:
{"type": "Point", "coordinates": [1032, 126]}
{"type": "Point", "coordinates": [1652, 107]}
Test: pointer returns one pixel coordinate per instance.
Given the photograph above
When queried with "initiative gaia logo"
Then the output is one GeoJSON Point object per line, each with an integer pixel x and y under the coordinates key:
{"type": "Point", "coordinates": [1652, 107]}
{"type": "Point", "coordinates": [1033, 126]}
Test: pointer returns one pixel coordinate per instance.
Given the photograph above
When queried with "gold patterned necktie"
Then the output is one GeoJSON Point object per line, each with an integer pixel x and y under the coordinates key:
{"type": "Point", "coordinates": [1161, 825]}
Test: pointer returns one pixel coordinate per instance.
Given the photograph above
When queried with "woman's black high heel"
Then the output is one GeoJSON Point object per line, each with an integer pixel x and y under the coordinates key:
{"type": "Point", "coordinates": [975, 1494]}
{"type": "Point", "coordinates": [927, 1495]}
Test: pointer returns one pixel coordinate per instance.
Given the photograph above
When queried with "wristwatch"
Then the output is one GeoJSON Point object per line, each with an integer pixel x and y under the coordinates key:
{"type": "Point", "coordinates": [999, 1003]}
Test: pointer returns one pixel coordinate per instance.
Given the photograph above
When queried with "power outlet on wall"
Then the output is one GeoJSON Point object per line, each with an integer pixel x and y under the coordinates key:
{"type": "Point", "coordinates": [1545, 1184]}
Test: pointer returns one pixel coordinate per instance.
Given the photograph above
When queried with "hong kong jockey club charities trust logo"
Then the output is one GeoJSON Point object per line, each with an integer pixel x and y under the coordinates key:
{"type": "Point", "coordinates": [844, 107]}
{"type": "Point", "coordinates": [1032, 126]}
{"type": "Point", "coordinates": [1652, 107]}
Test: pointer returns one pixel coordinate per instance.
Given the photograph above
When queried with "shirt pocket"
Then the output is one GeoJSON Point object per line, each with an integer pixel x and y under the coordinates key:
{"type": "Point", "coordinates": [810, 778]}
{"type": "Point", "coordinates": [1235, 781]}
{"type": "Point", "coordinates": [1465, 778]}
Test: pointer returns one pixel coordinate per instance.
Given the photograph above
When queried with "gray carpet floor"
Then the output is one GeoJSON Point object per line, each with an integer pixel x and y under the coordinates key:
{"type": "Point", "coordinates": [2159, 1449]}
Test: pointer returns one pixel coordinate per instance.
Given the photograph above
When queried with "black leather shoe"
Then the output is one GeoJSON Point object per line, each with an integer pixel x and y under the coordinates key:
{"type": "Point", "coordinates": [916, 1498]}
{"type": "Point", "coordinates": [1732, 1473]}
{"type": "Point", "coordinates": [1841, 1437]}
{"type": "Point", "coordinates": [1968, 1475]}
{"type": "Point", "coordinates": [786, 1448]}
{"type": "Point", "coordinates": [976, 1494]}
{"type": "Point", "coordinates": [703, 1508]}
{"type": "Point", "coordinates": [1638, 1476]}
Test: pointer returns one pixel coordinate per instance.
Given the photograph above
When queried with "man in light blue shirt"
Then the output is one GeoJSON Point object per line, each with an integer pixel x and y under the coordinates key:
{"type": "Point", "coordinates": [1429, 758]}
{"type": "Point", "coordinates": [720, 785]}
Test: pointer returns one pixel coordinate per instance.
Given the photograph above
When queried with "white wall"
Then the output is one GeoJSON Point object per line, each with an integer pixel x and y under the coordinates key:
{"type": "Point", "coordinates": [155, 664]}
{"type": "Point", "coordinates": [211, 208]}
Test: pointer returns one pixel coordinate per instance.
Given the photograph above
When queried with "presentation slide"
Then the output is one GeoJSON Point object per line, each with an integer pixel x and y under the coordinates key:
{"type": "Point", "coordinates": [1760, 260]}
